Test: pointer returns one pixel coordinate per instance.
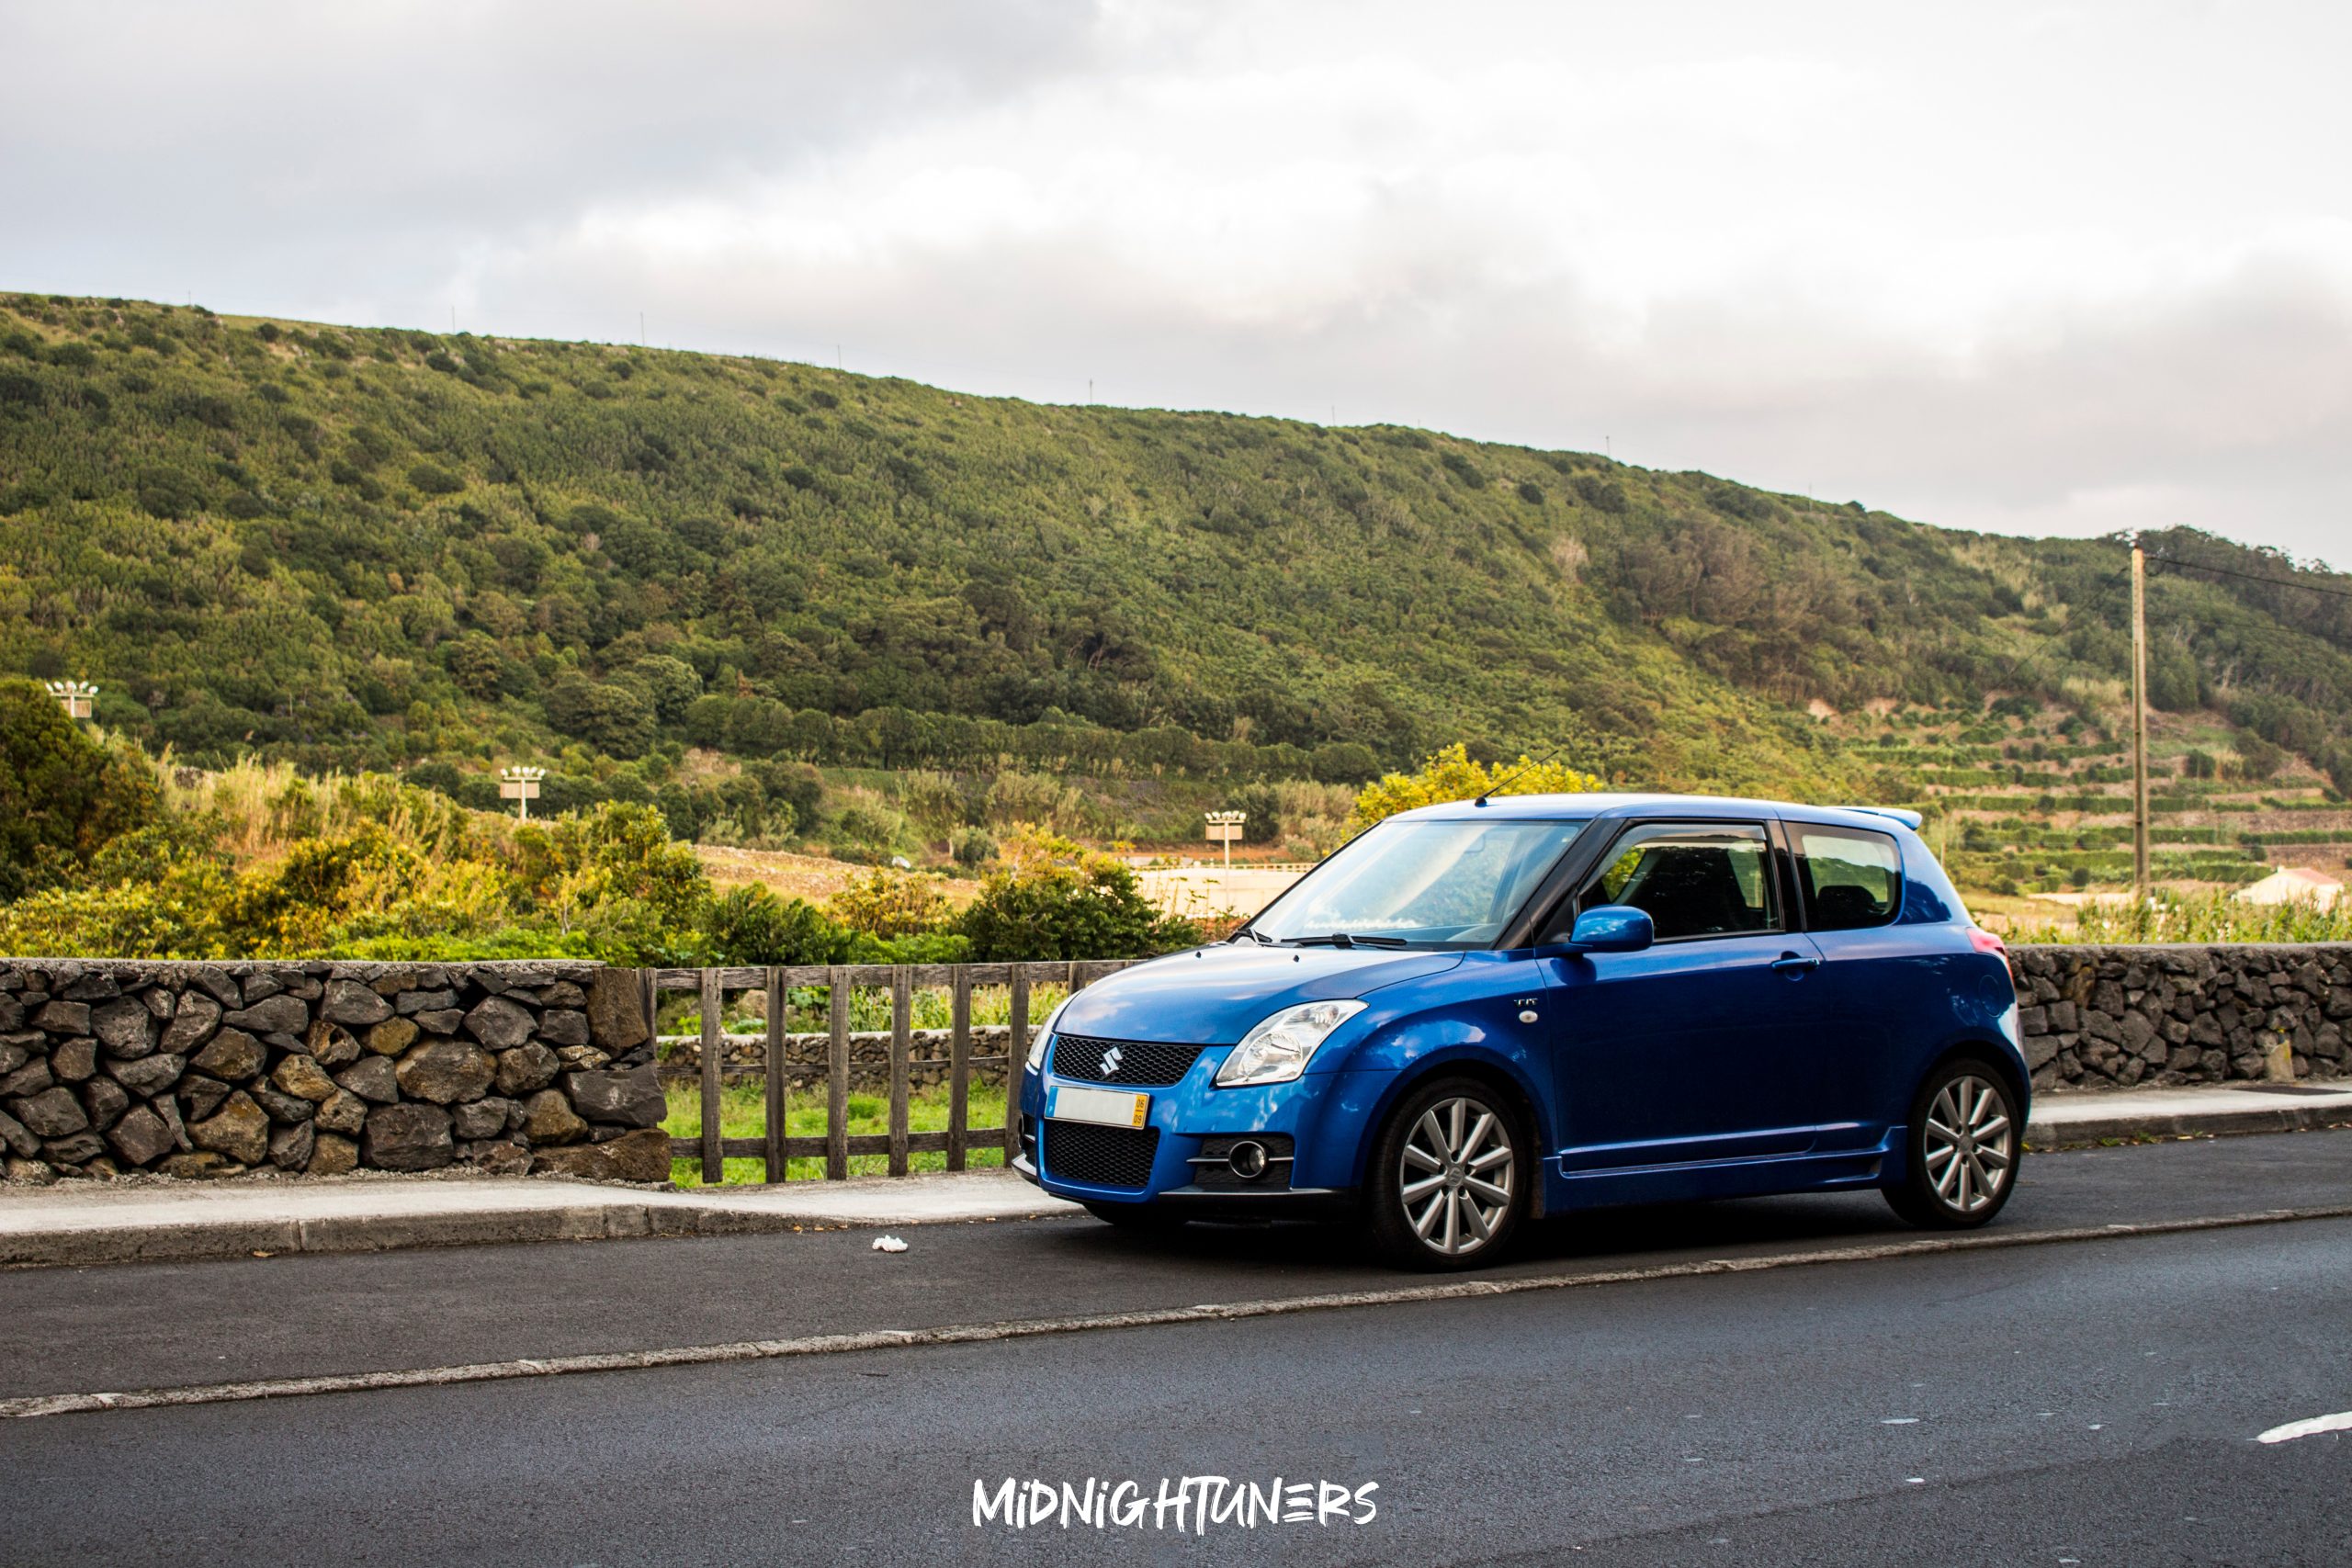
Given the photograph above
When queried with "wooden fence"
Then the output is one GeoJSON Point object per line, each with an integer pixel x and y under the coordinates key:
{"type": "Point", "coordinates": [835, 1145]}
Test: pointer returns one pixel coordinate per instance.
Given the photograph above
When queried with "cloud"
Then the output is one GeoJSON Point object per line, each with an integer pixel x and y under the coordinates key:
{"type": "Point", "coordinates": [2064, 271]}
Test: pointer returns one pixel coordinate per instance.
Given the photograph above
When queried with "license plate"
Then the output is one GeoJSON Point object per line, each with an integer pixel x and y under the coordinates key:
{"type": "Point", "coordinates": [1103, 1107]}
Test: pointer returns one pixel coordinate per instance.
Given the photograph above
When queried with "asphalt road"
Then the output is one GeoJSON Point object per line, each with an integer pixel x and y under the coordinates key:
{"type": "Point", "coordinates": [2088, 1401]}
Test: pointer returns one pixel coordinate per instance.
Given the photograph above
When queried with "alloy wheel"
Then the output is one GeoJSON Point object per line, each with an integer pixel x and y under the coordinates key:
{"type": "Point", "coordinates": [1456, 1176]}
{"type": "Point", "coordinates": [1970, 1143]}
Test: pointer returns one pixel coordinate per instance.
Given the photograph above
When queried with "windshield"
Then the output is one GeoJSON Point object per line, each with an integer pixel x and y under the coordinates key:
{"type": "Point", "coordinates": [1427, 883]}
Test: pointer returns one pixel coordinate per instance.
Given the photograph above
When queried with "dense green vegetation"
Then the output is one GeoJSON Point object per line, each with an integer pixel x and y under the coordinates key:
{"type": "Point", "coordinates": [386, 548]}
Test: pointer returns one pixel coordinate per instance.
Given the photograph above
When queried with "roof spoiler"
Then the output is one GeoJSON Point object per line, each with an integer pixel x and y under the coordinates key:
{"type": "Point", "coordinates": [1909, 818]}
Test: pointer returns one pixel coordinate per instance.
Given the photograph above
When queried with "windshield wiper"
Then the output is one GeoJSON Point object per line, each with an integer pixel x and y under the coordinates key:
{"type": "Point", "coordinates": [1346, 939]}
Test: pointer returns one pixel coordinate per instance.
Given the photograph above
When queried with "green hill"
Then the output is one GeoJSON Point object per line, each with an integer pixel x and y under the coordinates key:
{"type": "Point", "coordinates": [402, 550]}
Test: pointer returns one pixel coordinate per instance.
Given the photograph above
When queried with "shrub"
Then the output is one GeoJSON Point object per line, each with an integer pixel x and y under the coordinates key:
{"type": "Point", "coordinates": [1450, 774]}
{"type": "Point", "coordinates": [434, 479]}
{"type": "Point", "coordinates": [1049, 898]}
{"type": "Point", "coordinates": [889, 904]}
{"type": "Point", "coordinates": [973, 847]}
{"type": "Point", "coordinates": [749, 925]}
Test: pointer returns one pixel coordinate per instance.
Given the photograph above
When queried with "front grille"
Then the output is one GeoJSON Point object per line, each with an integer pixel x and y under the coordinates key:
{"type": "Point", "coordinates": [1099, 1156]}
{"type": "Point", "coordinates": [1145, 1064]}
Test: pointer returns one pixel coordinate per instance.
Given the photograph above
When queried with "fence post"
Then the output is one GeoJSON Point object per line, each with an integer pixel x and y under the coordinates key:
{"type": "Point", "coordinates": [901, 1042]}
{"type": "Point", "coordinates": [774, 1122]}
{"type": "Point", "coordinates": [837, 1079]}
{"type": "Point", "coordinates": [713, 1171]}
{"type": "Point", "coordinates": [959, 1062]}
{"type": "Point", "coordinates": [1016, 1049]}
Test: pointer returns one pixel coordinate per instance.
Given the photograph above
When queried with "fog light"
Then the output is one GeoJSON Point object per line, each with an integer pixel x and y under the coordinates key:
{"type": "Point", "coordinates": [1248, 1159]}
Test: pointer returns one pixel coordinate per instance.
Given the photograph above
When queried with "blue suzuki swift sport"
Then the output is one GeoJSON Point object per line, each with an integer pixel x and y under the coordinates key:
{"type": "Point", "coordinates": [1484, 1012]}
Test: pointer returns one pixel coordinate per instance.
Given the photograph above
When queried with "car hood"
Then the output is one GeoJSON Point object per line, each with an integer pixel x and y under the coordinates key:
{"type": "Point", "coordinates": [1213, 996]}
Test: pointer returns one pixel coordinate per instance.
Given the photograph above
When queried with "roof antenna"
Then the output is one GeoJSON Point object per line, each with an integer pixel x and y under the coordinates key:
{"type": "Point", "coordinates": [1518, 773]}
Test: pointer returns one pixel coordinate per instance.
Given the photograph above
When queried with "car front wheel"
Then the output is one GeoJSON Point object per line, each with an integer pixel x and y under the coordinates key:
{"type": "Point", "coordinates": [1449, 1178]}
{"type": "Point", "coordinates": [1965, 1146]}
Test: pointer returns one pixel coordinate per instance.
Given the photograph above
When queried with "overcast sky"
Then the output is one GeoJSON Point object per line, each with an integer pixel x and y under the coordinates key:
{"type": "Point", "coordinates": [2043, 269]}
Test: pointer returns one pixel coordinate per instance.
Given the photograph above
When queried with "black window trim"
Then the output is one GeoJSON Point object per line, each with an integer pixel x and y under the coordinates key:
{"type": "Point", "coordinates": [1574, 904]}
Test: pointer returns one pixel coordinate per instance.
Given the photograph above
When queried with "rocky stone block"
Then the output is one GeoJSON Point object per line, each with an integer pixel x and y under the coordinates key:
{"type": "Point", "coordinates": [54, 1112]}
{"type": "Point", "coordinates": [639, 1156]}
{"type": "Point", "coordinates": [615, 1011]}
{"type": "Point", "coordinates": [73, 1060]}
{"type": "Point", "coordinates": [303, 1077]}
{"type": "Point", "coordinates": [446, 1071]}
{"type": "Point", "coordinates": [499, 1024]}
{"type": "Point", "coordinates": [193, 1024]}
{"type": "Point", "coordinates": [331, 1044]}
{"type": "Point", "coordinates": [77, 1150]}
{"type": "Point", "coordinates": [30, 1172]}
{"type": "Point", "coordinates": [373, 1078]}
{"type": "Point", "coordinates": [201, 1165]}
{"type": "Point", "coordinates": [125, 1027]}
{"type": "Point", "coordinates": [239, 1129]}
{"type": "Point", "coordinates": [411, 1002]}
{"type": "Point", "coordinates": [352, 1005]}
{"type": "Point", "coordinates": [105, 1100]}
{"type": "Point", "coordinates": [148, 1074]}
{"type": "Point", "coordinates": [525, 1068]}
{"type": "Point", "coordinates": [232, 1055]}
{"type": "Point", "coordinates": [18, 1138]}
{"type": "Point", "coordinates": [448, 1021]}
{"type": "Point", "coordinates": [407, 1137]}
{"type": "Point", "coordinates": [141, 1137]}
{"type": "Point", "coordinates": [632, 1099]}
{"type": "Point", "coordinates": [64, 1018]}
{"type": "Point", "coordinates": [286, 1108]}
{"type": "Point", "coordinates": [480, 1118]}
{"type": "Point", "coordinates": [548, 1118]}
{"type": "Point", "coordinates": [342, 1112]}
{"type": "Point", "coordinates": [560, 1027]}
{"type": "Point", "coordinates": [331, 1155]}
{"type": "Point", "coordinates": [200, 1097]}
{"type": "Point", "coordinates": [272, 1015]}
{"type": "Point", "coordinates": [392, 1036]}
{"type": "Point", "coordinates": [291, 1147]}
{"type": "Point", "coordinates": [30, 1078]}
{"type": "Point", "coordinates": [499, 1157]}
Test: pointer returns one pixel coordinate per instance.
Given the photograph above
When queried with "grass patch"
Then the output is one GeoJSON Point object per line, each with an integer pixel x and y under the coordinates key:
{"type": "Point", "coordinates": [742, 1113]}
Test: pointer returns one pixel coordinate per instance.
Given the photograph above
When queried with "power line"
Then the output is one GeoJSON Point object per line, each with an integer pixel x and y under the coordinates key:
{"type": "Point", "coordinates": [2252, 576]}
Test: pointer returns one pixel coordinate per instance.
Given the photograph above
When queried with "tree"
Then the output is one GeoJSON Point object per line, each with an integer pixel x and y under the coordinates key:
{"type": "Point", "coordinates": [1450, 774]}
{"type": "Point", "coordinates": [62, 795]}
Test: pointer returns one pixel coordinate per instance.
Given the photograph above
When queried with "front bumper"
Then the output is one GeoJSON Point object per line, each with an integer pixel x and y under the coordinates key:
{"type": "Point", "coordinates": [1320, 1113]}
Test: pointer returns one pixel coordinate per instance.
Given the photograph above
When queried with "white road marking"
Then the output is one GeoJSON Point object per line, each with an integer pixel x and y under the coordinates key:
{"type": "Point", "coordinates": [2339, 1422]}
{"type": "Point", "coordinates": [29, 1406]}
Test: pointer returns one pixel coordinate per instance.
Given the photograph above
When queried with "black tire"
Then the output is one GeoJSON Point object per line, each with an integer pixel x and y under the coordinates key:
{"type": "Point", "coordinates": [1965, 1132]}
{"type": "Point", "coordinates": [1439, 1226]}
{"type": "Point", "coordinates": [1144, 1219]}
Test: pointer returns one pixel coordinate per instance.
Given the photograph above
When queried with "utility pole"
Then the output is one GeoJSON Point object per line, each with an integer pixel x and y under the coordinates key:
{"type": "Point", "coordinates": [2139, 721]}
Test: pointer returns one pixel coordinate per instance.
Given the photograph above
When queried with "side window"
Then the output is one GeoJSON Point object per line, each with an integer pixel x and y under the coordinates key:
{"type": "Point", "coordinates": [1691, 880]}
{"type": "Point", "coordinates": [1850, 878]}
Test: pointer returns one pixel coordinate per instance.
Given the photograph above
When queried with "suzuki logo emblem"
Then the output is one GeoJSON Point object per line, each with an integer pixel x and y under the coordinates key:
{"type": "Point", "coordinates": [1111, 1062]}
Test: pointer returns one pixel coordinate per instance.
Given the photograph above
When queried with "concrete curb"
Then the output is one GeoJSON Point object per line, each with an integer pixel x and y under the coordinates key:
{"type": "Point", "coordinates": [198, 1240]}
{"type": "Point", "coordinates": [2076, 1133]}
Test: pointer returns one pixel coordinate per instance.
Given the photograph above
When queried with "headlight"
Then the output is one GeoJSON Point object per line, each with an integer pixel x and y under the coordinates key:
{"type": "Point", "coordinates": [1280, 1047]}
{"type": "Point", "coordinates": [1037, 1041]}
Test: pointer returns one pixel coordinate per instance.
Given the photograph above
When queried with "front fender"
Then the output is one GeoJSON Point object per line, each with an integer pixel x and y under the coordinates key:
{"type": "Point", "coordinates": [1385, 1069]}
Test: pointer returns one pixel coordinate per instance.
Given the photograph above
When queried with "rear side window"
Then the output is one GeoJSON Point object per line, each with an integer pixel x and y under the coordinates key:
{"type": "Point", "coordinates": [1692, 881]}
{"type": "Point", "coordinates": [1850, 878]}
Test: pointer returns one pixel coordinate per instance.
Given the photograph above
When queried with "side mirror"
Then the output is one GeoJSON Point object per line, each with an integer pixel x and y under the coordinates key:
{"type": "Point", "coordinates": [1612, 927]}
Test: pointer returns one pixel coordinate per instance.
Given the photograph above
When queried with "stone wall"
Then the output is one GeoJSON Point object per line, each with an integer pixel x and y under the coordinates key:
{"type": "Point", "coordinates": [210, 1069]}
{"type": "Point", "coordinates": [2105, 1017]}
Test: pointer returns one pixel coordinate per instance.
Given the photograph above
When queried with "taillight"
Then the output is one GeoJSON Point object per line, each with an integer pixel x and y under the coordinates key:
{"type": "Point", "coordinates": [1983, 941]}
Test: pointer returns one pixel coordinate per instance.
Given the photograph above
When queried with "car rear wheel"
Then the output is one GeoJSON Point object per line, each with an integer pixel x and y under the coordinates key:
{"type": "Point", "coordinates": [1449, 1178]}
{"type": "Point", "coordinates": [1966, 1147]}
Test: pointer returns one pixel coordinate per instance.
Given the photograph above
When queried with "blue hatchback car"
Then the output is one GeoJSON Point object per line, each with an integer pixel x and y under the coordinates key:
{"type": "Point", "coordinates": [1483, 1012]}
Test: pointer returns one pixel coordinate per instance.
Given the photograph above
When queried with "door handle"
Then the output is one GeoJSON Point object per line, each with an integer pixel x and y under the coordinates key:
{"type": "Point", "coordinates": [1795, 964]}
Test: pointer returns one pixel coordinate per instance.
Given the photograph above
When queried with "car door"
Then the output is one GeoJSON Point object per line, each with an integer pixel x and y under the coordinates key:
{"type": "Point", "coordinates": [1850, 885]}
{"type": "Point", "coordinates": [1702, 1047]}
